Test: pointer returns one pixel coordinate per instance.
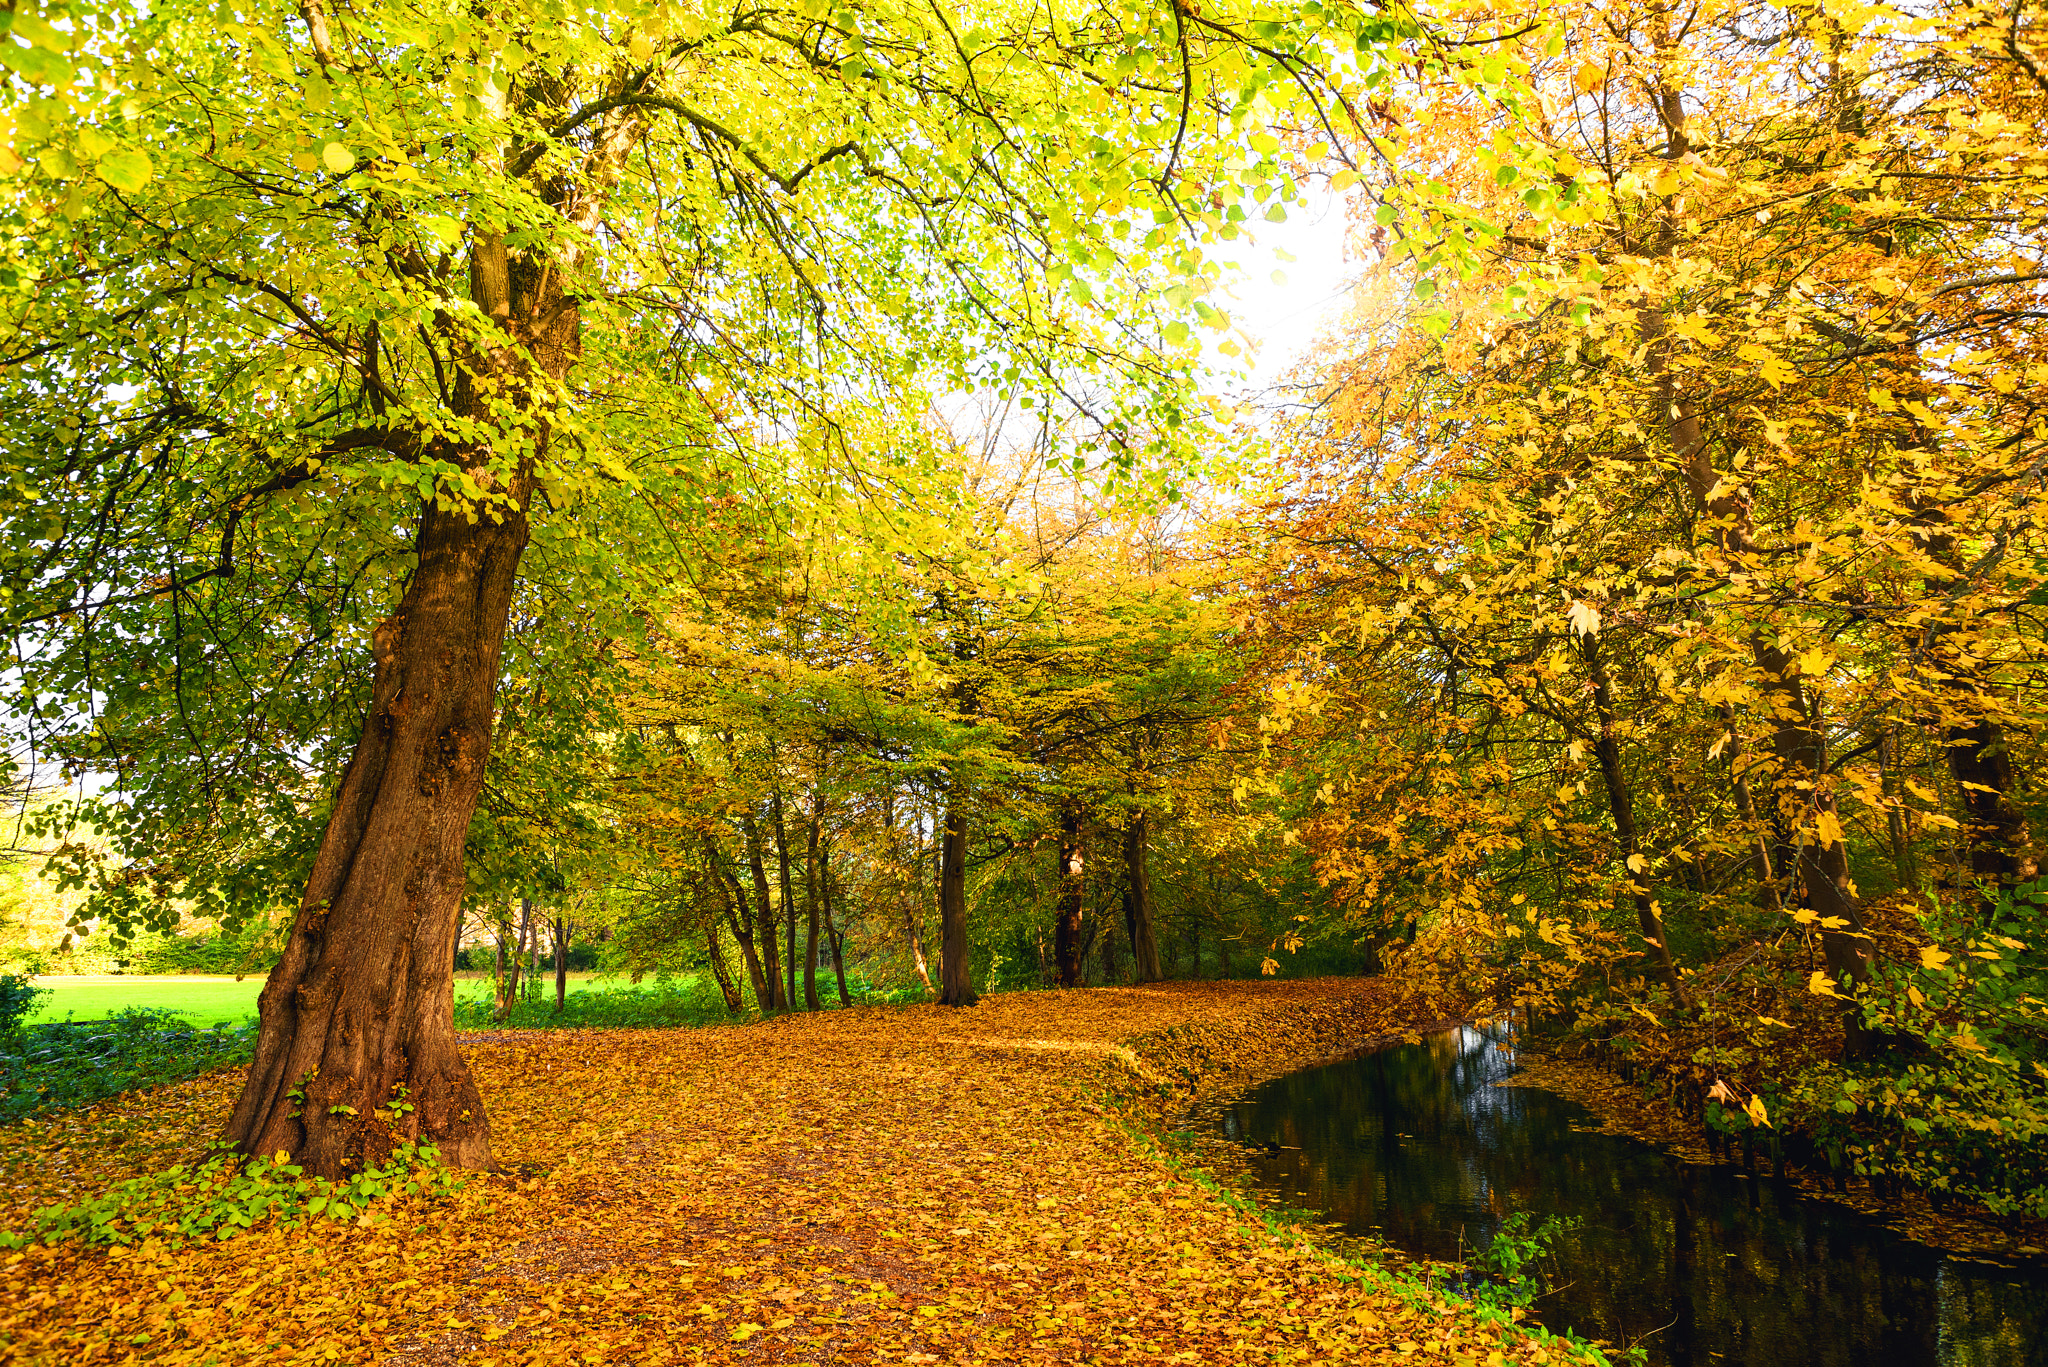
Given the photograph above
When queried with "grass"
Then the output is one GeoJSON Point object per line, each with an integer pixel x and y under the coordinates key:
{"type": "Point", "coordinates": [214, 1001]}
{"type": "Point", "coordinates": [593, 1000]}
{"type": "Point", "coordinates": [91, 1038]}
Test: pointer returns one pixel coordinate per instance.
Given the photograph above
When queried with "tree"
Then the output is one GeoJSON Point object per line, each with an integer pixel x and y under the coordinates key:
{"type": "Point", "coordinates": [338, 316]}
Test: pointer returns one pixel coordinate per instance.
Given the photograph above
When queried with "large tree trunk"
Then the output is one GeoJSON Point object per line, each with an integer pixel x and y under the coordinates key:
{"type": "Point", "coordinates": [956, 984]}
{"type": "Point", "coordinates": [359, 1012]}
{"type": "Point", "coordinates": [1072, 901]}
{"type": "Point", "coordinates": [1144, 943]}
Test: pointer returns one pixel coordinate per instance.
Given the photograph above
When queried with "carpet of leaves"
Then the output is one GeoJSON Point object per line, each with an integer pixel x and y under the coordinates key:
{"type": "Point", "coordinates": [878, 1185]}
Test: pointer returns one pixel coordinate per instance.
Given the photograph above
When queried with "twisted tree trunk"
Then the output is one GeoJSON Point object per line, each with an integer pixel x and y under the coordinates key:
{"type": "Point", "coordinates": [356, 1050]}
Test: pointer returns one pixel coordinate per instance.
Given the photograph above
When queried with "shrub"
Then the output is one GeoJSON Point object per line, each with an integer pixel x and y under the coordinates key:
{"type": "Point", "coordinates": [18, 997]}
{"type": "Point", "coordinates": [75, 1063]}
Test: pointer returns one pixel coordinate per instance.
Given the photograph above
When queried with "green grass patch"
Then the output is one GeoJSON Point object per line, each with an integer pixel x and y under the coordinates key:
{"type": "Point", "coordinates": [213, 1001]}
{"type": "Point", "coordinates": [196, 1001]}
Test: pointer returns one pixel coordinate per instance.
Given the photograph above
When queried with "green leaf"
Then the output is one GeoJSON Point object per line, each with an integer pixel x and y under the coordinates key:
{"type": "Point", "coordinates": [127, 169]}
{"type": "Point", "coordinates": [36, 64]}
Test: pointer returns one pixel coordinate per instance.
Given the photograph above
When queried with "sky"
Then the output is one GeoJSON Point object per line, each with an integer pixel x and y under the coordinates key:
{"type": "Point", "coordinates": [1284, 318]}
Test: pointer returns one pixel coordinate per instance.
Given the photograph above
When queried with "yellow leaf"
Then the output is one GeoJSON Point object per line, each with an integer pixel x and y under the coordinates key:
{"type": "Point", "coordinates": [745, 1332]}
{"type": "Point", "coordinates": [1756, 1112]}
{"type": "Point", "coordinates": [1932, 959]}
{"type": "Point", "coordinates": [338, 158]}
{"type": "Point", "coordinates": [1828, 827]}
{"type": "Point", "coordinates": [1821, 985]}
{"type": "Point", "coordinates": [1589, 78]}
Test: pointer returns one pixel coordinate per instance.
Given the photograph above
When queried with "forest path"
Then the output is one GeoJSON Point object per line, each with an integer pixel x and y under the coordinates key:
{"type": "Point", "coordinates": [878, 1185]}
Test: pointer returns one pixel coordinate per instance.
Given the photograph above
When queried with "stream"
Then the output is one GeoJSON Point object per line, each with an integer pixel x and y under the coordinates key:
{"type": "Point", "coordinates": [1416, 1146]}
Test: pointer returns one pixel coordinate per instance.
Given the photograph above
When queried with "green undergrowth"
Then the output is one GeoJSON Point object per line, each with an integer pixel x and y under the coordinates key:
{"type": "Point", "coordinates": [1496, 1286]}
{"type": "Point", "coordinates": [222, 1196]}
{"type": "Point", "coordinates": [75, 1063]}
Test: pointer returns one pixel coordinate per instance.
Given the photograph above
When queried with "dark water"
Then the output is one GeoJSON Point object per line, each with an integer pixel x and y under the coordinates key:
{"type": "Point", "coordinates": [1701, 1264]}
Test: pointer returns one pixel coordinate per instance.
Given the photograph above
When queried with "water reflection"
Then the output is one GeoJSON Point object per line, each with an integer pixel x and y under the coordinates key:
{"type": "Point", "coordinates": [1704, 1265]}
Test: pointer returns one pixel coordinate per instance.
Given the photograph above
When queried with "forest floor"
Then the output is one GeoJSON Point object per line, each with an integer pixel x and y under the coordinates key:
{"type": "Point", "coordinates": [878, 1185]}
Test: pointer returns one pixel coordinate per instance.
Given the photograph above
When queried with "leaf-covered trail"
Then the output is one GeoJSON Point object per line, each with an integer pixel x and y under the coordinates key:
{"type": "Point", "coordinates": [869, 1186]}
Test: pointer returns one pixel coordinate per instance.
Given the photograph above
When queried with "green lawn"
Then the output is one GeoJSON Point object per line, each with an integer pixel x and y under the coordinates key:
{"type": "Point", "coordinates": [208, 1001]}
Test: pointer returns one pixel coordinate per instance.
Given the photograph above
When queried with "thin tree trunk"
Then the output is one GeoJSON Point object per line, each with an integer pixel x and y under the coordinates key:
{"type": "Point", "coordinates": [766, 908]}
{"type": "Point", "coordinates": [1621, 806]}
{"type": "Point", "coordinates": [738, 921]}
{"type": "Point", "coordinates": [734, 1002]}
{"type": "Point", "coordinates": [532, 955]}
{"type": "Point", "coordinates": [915, 935]}
{"type": "Point", "coordinates": [501, 934]}
{"type": "Point", "coordinates": [1894, 818]}
{"type": "Point", "coordinates": [832, 934]}
{"type": "Point", "coordinates": [1144, 944]}
{"type": "Point", "coordinates": [561, 964]}
{"type": "Point", "coordinates": [1072, 901]}
{"type": "Point", "coordinates": [811, 1002]}
{"type": "Point", "coordinates": [956, 983]}
{"type": "Point", "coordinates": [783, 881]}
{"type": "Point", "coordinates": [1745, 807]}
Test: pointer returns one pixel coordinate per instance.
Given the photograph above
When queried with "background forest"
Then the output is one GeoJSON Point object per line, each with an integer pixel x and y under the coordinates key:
{"type": "Point", "coordinates": [1629, 616]}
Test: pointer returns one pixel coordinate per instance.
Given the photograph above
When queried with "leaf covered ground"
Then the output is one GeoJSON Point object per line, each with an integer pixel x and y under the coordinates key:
{"type": "Point", "coordinates": [883, 1185]}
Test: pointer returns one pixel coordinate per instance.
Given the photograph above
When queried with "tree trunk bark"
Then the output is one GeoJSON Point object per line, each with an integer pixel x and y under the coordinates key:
{"type": "Point", "coordinates": [956, 983]}
{"type": "Point", "coordinates": [766, 908]}
{"type": "Point", "coordinates": [359, 1012]}
{"type": "Point", "coordinates": [1621, 806]}
{"type": "Point", "coordinates": [1072, 901]}
{"type": "Point", "coordinates": [561, 964]}
{"type": "Point", "coordinates": [727, 988]}
{"type": "Point", "coordinates": [738, 920]}
{"type": "Point", "coordinates": [1144, 943]}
